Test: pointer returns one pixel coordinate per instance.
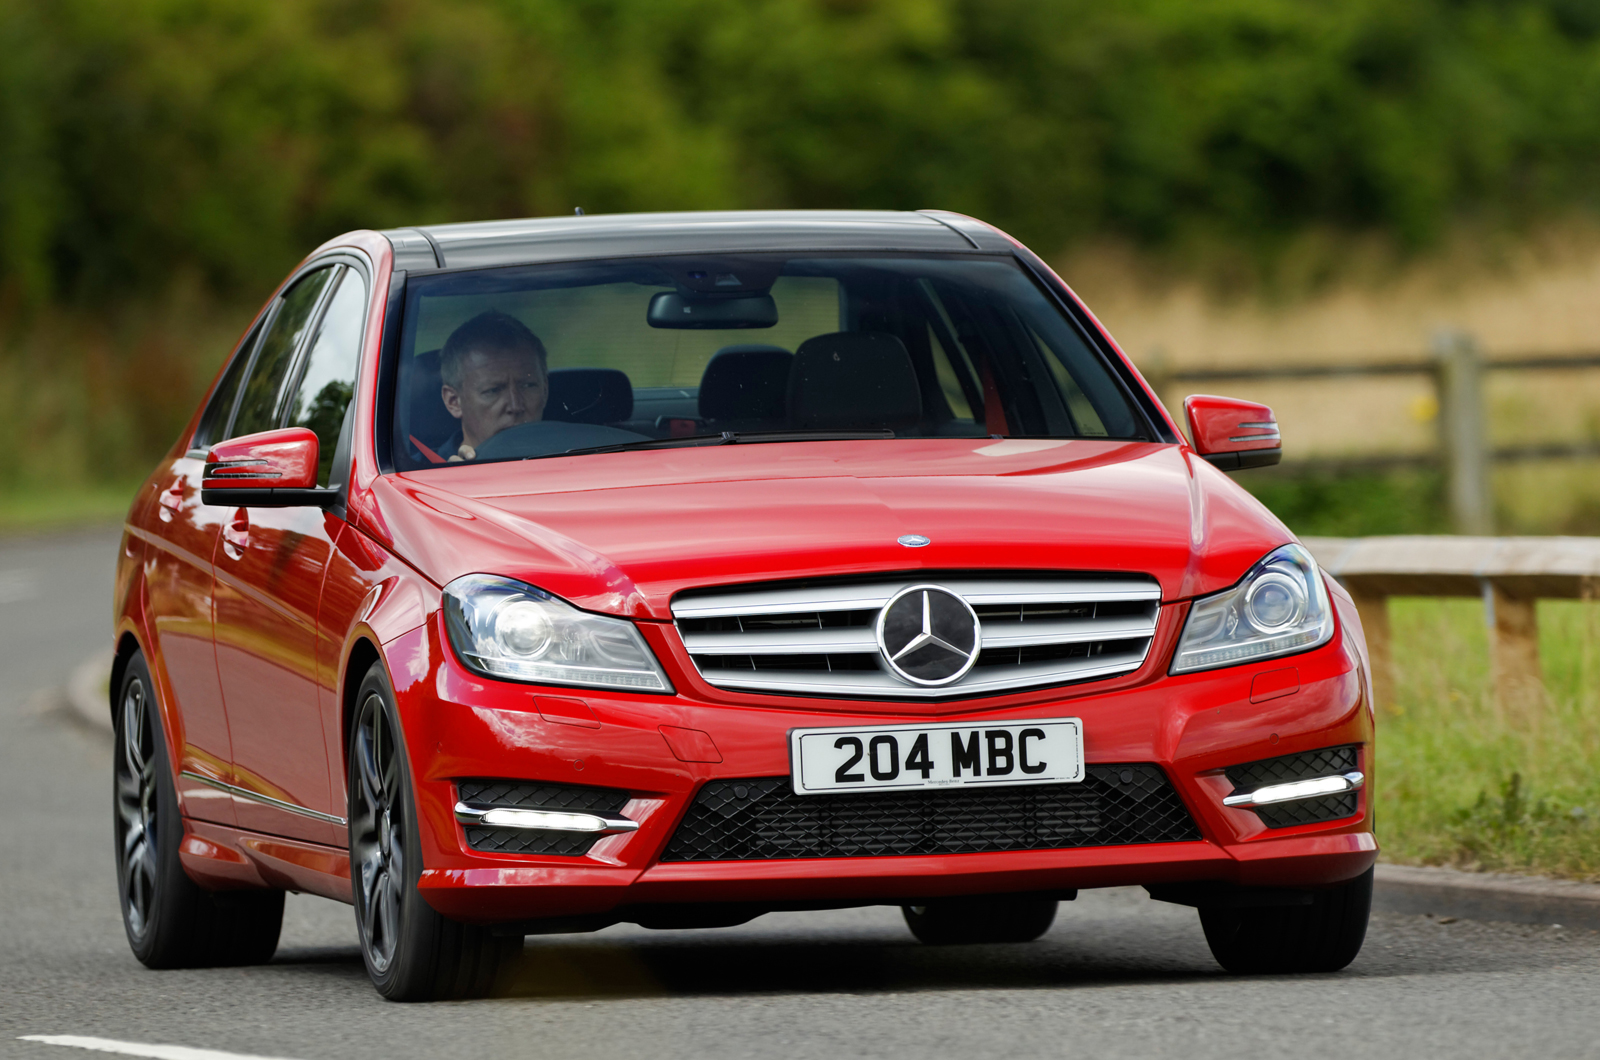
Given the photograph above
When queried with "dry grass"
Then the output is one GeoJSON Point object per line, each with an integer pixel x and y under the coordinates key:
{"type": "Point", "coordinates": [1347, 302]}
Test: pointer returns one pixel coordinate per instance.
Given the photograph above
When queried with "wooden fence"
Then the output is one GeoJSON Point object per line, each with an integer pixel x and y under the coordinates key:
{"type": "Point", "coordinates": [1457, 369]}
{"type": "Point", "coordinates": [1508, 573]}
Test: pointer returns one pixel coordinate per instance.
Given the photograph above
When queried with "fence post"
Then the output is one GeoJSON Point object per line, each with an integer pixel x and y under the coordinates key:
{"type": "Point", "coordinates": [1514, 651]}
{"type": "Point", "coordinates": [1373, 610]}
{"type": "Point", "coordinates": [1462, 431]}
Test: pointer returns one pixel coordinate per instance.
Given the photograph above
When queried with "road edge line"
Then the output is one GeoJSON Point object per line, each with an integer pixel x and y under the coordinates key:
{"type": "Point", "coordinates": [1417, 889]}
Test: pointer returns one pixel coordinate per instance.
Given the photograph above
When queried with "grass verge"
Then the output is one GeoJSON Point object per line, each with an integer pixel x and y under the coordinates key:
{"type": "Point", "coordinates": [1462, 783]}
{"type": "Point", "coordinates": [31, 511]}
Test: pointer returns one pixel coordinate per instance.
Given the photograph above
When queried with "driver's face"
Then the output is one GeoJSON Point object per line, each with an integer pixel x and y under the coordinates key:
{"type": "Point", "coordinates": [500, 388]}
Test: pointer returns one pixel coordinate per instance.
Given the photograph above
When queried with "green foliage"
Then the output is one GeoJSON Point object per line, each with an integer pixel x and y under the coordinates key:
{"type": "Point", "coordinates": [163, 163]}
{"type": "Point", "coordinates": [225, 138]}
{"type": "Point", "coordinates": [1353, 504]}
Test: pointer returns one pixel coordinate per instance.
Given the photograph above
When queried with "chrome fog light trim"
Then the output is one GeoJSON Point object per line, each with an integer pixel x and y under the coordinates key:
{"type": "Point", "coordinates": [1298, 789]}
{"type": "Point", "coordinates": [543, 820]}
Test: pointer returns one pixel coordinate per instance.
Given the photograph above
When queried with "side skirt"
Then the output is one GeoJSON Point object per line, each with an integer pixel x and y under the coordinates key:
{"type": "Point", "coordinates": [220, 857]}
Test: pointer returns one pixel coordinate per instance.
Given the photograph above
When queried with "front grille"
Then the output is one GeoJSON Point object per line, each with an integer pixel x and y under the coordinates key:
{"type": "Point", "coordinates": [531, 795]}
{"type": "Point", "coordinates": [1330, 761]}
{"type": "Point", "coordinates": [820, 638]}
{"type": "Point", "coordinates": [762, 818]}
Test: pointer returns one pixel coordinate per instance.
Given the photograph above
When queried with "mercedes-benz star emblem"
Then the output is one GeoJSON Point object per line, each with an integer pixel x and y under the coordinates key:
{"type": "Point", "coordinates": [913, 540]}
{"type": "Point", "coordinates": [928, 635]}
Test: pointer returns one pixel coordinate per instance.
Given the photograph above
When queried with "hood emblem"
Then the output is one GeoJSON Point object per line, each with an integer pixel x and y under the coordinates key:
{"type": "Point", "coordinates": [928, 635]}
{"type": "Point", "coordinates": [914, 540]}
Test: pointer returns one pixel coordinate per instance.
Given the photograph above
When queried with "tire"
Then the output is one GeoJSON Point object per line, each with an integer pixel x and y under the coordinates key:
{"type": "Point", "coordinates": [986, 919]}
{"type": "Point", "coordinates": [412, 952]}
{"type": "Point", "coordinates": [170, 920]}
{"type": "Point", "coordinates": [1321, 937]}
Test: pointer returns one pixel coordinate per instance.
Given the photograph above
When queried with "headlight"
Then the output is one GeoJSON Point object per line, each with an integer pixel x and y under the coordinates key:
{"type": "Point", "coordinates": [503, 628]}
{"type": "Point", "coordinates": [1279, 608]}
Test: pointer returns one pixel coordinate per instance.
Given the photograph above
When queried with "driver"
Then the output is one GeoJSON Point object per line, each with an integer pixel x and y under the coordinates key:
{"type": "Point", "coordinates": [494, 376]}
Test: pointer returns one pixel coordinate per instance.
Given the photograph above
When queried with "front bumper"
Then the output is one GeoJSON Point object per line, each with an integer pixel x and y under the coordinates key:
{"type": "Point", "coordinates": [1192, 727]}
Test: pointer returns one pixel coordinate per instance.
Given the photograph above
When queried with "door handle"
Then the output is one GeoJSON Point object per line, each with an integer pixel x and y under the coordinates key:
{"type": "Point", "coordinates": [237, 532]}
{"type": "Point", "coordinates": [172, 497]}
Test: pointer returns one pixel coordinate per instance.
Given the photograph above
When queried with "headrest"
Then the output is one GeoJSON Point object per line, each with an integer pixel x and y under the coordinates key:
{"type": "Point", "coordinates": [589, 395]}
{"type": "Point", "coordinates": [853, 380]}
{"type": "Point", "coordinates": [746, 382]}
{"type": "Point", "coordinates": [427, 418]}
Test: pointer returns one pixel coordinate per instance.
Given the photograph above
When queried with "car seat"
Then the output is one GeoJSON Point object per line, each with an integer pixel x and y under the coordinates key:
{"type": "Point", "coordinates": [428, 424]}
{"type": "Point", "coordinates": [853, 380]}
{"type": "Point", "coordinates": [745, 387]}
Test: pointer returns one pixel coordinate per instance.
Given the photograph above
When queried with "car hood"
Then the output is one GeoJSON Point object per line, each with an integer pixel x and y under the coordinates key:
{"type": "Point", "coordinates": [622, 532]}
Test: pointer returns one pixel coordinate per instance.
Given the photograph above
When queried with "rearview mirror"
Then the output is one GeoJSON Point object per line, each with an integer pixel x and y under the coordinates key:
{"type": "Point", "coordinates": [272, 469]}
{"type": "Point", "coordinates": [1233, 434]}
{"type": "Point", "coordinates": [670, 309]}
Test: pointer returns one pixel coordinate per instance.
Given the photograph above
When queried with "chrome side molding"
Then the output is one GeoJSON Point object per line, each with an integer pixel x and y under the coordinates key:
{"type": "Point", "coordinates": [544, 820]}
{"type": "Point", "coordinates": [267, 800]}
{"type": "Point", "coordinates": [1298, 789]}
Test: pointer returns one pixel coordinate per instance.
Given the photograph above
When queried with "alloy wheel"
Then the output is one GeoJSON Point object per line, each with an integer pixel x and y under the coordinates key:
{"type": "Point", "coordinates": [378, 833]}
{"type": "Point", "coordinates": [137, 820]}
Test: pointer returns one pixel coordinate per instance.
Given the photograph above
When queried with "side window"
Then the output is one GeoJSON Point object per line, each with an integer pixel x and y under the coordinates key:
{"type": "Point", "coordinates": [330, 374]}
{"type": "Point", "coordinates": [214, 421]}
{"type": "Point", "coordinates": [258, 404]}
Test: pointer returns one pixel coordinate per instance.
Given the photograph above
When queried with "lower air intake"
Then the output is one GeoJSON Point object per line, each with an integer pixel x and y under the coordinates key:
{"type": "Point", "coordinates": [530, 795]}
{"type": "Point", "coordinates": [1329, 761]}
{"type": "Point", "coordinates": [762, 819]}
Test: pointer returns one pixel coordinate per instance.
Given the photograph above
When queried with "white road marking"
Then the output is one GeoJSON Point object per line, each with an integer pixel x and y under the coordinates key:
{"type": "Point", "coordinates": [156, 1052]}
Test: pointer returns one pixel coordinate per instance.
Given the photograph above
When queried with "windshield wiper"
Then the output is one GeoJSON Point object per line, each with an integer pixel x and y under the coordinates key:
{"type": "Point", "coordinates": [734, 438]}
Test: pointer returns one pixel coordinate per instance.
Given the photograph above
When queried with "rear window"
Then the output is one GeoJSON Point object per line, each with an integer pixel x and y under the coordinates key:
{"type": "Point", "coordinates": [534, 361]}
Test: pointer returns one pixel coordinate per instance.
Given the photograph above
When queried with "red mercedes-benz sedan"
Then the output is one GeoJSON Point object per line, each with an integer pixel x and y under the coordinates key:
{"type": "Point", "coordinates": [535, 576]}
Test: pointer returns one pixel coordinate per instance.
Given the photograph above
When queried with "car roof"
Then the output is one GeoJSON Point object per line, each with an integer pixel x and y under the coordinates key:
{"type": "Point", "coordinates": [539, 239]}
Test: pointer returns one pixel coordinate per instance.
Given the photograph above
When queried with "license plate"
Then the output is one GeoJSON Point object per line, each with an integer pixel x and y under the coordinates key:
{"type": "Point", "coordinates": [896, 757]}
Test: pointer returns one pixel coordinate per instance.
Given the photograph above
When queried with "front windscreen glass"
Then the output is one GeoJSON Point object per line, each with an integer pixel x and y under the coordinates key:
{"type": "Point", "coordinates": [537, 361]}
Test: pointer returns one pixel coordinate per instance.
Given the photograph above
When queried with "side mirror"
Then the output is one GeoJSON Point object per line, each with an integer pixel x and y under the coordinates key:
{"type": "Point", "coordinates": [1233, 434]}
{"type": "Point", "coordinates": [273, 469]}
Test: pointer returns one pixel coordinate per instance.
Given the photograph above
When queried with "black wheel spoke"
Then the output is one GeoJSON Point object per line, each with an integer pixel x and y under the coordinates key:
{"type": "Point", "coordinates": [369, 901]}
{"type": "Point", "coordinates": [376, 841]}
{"type": "Point", "coordinates": [130, 798]}
{"type": "Point", "coordinates": [388, 779]}
{"type": "Point", "coordinates": [390, 918]}
{"type": "Point", "coordinates": [368, 758]}
{"type": "Point", "coordinates": [136, 805]}
{"type": "Point", "coordinates": [132, 839]}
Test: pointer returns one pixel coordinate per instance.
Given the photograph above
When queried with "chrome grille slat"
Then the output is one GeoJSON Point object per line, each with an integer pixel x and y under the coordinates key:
{"type": "Point", "coordinates": [788, 642]}
{"type": "Point", "coordinates": [1034, 632]}
{"type": "Point", "coordinates": [873, 596]}
{"type": "Point", "coordinates": [1023, 634]}
{"type": "Point", "coordinates": [980, 594]}
{"type": "Point", "coordinates": [880, 685]}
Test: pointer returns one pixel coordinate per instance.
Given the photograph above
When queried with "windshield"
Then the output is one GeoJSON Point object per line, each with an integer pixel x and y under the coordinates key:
{"type": "Point", "coordinates": [536, 361]}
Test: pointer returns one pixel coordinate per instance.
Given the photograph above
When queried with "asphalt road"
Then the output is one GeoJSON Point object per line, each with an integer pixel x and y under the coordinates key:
{"type": "Point", "coordinates": [1118, 975]}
